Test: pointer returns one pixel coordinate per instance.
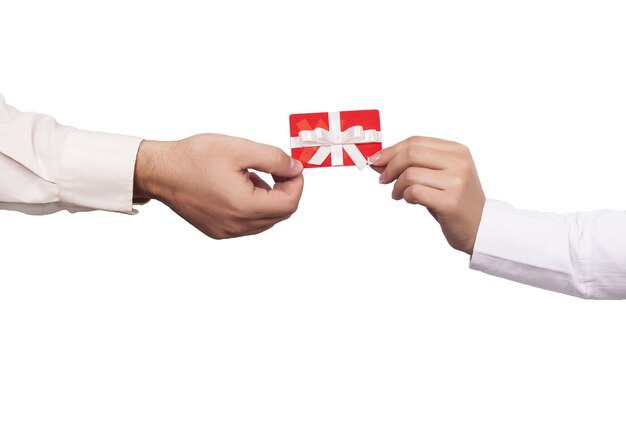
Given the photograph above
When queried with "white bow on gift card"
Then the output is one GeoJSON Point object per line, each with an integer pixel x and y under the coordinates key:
{"type": "Point", "coordinates": [334, 141]}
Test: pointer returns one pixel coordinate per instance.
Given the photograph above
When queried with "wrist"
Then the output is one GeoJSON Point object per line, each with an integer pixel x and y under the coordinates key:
{"type": "Point", "coordinates": [150, 170]}
{"type": "Point", "coordinates": [476, 226]}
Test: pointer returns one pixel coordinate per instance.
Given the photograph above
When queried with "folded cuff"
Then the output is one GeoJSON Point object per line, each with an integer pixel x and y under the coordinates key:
{"type": "Point", "coordinates": [97, 170]}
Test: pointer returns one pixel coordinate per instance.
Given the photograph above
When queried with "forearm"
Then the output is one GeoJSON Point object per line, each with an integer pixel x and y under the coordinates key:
{"type": "Point", "coordinates": [579, 254]}
{"type": "Point", "coordinates": [46, 166]}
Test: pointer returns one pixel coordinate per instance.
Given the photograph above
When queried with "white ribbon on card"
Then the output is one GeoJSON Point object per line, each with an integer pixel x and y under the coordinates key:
{"type": "Point", "coordinates": [334, 141]}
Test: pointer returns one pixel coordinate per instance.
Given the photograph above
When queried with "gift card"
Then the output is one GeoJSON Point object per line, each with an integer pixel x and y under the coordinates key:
{"type": "Point", "coordinates": [335, 139]}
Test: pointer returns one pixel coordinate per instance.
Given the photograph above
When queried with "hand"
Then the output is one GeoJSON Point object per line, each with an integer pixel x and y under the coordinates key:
{"type": "Point", "coordinates": [441, 176]}
{"type": "Point", "coordinates": [206, 180]}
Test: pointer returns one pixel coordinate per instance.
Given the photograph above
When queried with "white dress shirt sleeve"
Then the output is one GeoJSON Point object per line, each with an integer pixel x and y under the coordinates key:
{"type": "Point", "coordinates": [581, 254]}
{"type": "Point", "coordinates": [46, 167]}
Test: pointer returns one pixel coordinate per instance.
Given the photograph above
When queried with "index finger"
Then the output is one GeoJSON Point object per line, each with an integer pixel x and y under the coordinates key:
{"type": "Point", "coordinates": [269, 159]}
{"type": "Point", "coordinates": [383, 157]}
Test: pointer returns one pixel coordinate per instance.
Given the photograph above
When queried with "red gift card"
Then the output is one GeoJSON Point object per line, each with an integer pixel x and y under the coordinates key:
{"type": "Point", "coordinates": [335, 139]}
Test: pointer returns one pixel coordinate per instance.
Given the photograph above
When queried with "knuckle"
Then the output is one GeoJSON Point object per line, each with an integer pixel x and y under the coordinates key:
{"type": "Point", "coordinates": [463, 151]}
{"type": "Point", "coordinates": [460, 147]}
{"type": "Point", "coordinates": [277, 157]}
{"type": "Point", "coordinates": [289, 208]}
{"type": "Point", "coordinates": [415, 140]}
{"type": "Point", "coordinates": [231, 229]}
{"type": "Point", "coordinates": [226, 233]}
{"type": "Point", "coordinates": [412, 175]}
{"type": "Point", "coordinates": [219, 235]}
{"type": "Point", "coordinates": [458, 181]}
{"type": "Point", "coordinates": [413, 152]}
{"type": "Point", "coordinates": [412, 194]}
{"type": "Point", "coordinates": [464, 164]}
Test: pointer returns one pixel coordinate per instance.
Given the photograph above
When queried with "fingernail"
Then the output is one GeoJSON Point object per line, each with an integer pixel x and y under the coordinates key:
{"type": "Point", "coordinates": [372, 159]}
{"type": "Point", "coordinates": [295, 165]}
{"type": "Point", "coordinates": [381, 179]}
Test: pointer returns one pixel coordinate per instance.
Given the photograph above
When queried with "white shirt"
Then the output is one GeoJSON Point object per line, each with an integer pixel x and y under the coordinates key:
{"type": "Point", "coordinates": [46, 167]}
{"type": "Point", "coordinates": [581, 254]}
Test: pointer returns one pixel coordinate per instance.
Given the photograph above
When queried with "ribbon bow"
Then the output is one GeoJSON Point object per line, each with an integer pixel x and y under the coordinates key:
{"type": "Point", "coordinates": [333, 143]}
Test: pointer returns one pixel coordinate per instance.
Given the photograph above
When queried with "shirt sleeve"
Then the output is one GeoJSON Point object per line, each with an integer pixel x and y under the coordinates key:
{"type": "Point", "coordinates": [46, 167]}
{"type": "Point", "coordinates": [580, 254]}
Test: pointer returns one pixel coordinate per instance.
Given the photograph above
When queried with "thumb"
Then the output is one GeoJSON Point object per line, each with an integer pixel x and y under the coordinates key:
{"type": "Point", "coordinates": [270, 159]}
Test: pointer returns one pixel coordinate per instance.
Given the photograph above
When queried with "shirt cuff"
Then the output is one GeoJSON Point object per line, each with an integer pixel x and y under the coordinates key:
{"type": "Point", "coordinates": [97, 171]}
{"type": "Point", "coordinates": [533, 248]}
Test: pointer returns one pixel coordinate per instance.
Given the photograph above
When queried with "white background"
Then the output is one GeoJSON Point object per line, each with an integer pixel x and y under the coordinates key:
{"type": "Point", "coordinates": [355, 308]}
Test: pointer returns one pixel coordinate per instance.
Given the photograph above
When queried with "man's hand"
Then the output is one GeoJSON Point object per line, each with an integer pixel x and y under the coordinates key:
{"type": "Point", "coordinates": [441, 176]}
{"type": "Point", "coordinates": [206, 180]}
